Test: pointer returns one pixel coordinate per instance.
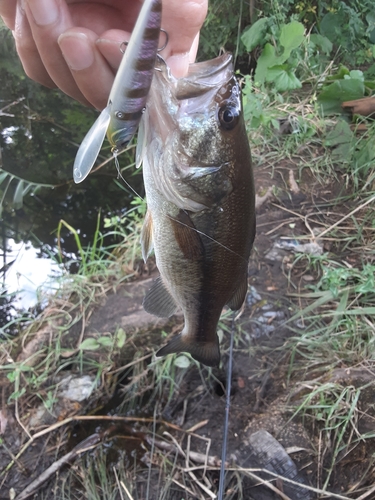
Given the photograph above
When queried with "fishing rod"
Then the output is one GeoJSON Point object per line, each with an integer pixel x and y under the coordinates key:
{"type": "Point", "coordinates": [220, 495]}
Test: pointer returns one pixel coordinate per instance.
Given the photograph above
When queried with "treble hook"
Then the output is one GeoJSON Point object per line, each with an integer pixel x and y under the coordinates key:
{"type": "Point", "coordinates": [123, 45]}
{"type": "Point", "coordinates": [166, 40]}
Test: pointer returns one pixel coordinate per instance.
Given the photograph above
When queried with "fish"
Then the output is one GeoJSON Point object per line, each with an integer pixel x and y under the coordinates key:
{"type": "Point", "coordinates": [200, 196]}
{"type": "Point", "coordinates": [120, 119]}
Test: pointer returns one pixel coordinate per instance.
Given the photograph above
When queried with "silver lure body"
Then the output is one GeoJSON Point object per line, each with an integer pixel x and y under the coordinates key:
{"type": "Point", "coordinates": [128, 96]}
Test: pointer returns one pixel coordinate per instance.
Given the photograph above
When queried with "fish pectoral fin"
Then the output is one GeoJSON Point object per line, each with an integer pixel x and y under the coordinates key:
{"type": "Point", "coordinates": [187, 236]}
{"type": "Point", "coordinates": [207, 353]}
{"type": "Point", "coordinates": [159, 301]}
{"type": "Point", "coordinates": [239, 295]}
{"type": "Point", "coordinates": [146, 236]}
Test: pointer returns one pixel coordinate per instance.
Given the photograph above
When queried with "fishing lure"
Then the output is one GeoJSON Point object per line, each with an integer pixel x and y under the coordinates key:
{"type": "Point", "coordinates": [128, 96]}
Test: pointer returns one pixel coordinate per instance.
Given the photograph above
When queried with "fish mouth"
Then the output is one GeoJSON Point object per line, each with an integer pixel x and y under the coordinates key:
{"type": "Point", "coordinates": [209, 69]}
{"type": "Point", "coordinates": [205, 76]}
{"type": "Point", "coordinates": [201, 78]}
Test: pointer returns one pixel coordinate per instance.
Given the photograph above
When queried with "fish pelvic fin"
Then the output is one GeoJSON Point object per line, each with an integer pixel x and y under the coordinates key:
{"type": "Point", "coordinates": [207, 353]}
{"type": "Point", "coordinates": [159, 301]}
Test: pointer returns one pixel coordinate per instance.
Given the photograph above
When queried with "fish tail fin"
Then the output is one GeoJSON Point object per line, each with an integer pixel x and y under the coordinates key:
{"type": "Point", "coordinates": [207, 353]}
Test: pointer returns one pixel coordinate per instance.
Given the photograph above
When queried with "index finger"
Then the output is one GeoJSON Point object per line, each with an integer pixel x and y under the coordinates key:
{"type": "Point", "coordinates": [8, 12]}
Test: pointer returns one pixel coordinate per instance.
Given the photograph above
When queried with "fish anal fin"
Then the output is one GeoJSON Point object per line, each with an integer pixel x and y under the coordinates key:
{"type": "Point", "coordinates": [146, 236]}
{"type": "Point", "coordinates": [239, 295]}
{"type": "Point", "coordinates": [187, 237]}
{"type": "Point", "coordinates": [207, 353]}
{"type": "Point", "coordinates": [159, 301]}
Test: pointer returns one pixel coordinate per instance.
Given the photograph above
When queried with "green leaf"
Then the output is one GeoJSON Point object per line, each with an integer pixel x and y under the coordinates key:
{"type": "Point", "coordinates": [356, 74]}
{"type": "Point", "coordinates": [283, 78]}
{"type": "Point", "coordinates": [340, 75]}
{"type": "Point", "coordinates": [182, 361]}
{"type": "Point", "coordinates": [266, 60]}
{"type": "Point", "coordinates": [18, 195]}
{"type": "Point", "coordinates": [17, 394]}
{"type": "Point", "coordinates": [331, 25]}
{"type": "Point", "coordinates": [254, 35]}
{"type": "Point", "coordinates": [120, 338]}
{"type": "Point", "coordinates": [89, 344]}
{"type": "Point", "coordinates": [343, 152]}
{"type": "Point", "coordinates": [291, 37]}
{"type": "Point", "coordinates": [333, 95]}
{"type": "Point", "coordinates": [340, 134]}
{"type": "Point", "coordinates": [364, 157]}
{"type": "Point", "coordinates": [323, 42]}
{"type": "Point", "coordinates": [105, 341]}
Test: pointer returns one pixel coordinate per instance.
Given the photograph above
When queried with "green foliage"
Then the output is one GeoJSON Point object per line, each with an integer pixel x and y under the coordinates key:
{"type": "Point", "coordinates": [335, 279]}
{"type": "Point", "coordinates": [334, 408]}
{"type": "Point", "coordinates": [349, 26]}
{"type": "Point", "coordinates": [356, 156]}
{"type": "Point", "coordinates": [254, 35]}
{"type": "Point", "coordinates": [222, 28]}
{"type": "Point", "coordinates": [256, 105]}
{"type": "Point", "coordinates": [345, 85]}
{"type": "Point", "coordinates": [275, 64]}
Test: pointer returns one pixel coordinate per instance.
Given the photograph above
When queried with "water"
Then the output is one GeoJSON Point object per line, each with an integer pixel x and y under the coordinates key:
{"type": "Point", "coordinates": [40, 131]}
{"type": "Point", "coordinates": [29, 275]}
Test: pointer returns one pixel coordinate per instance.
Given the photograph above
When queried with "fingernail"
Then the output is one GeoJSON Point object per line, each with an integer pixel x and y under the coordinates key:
{"type": "Point", "coordinates": [44, 12]}
{"type": "Point", "coordinates": [179, 64]}
{"type": "Point", "coordinates": [77, 50]}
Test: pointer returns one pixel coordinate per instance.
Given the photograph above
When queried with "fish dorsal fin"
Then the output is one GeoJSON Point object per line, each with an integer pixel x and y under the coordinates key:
{"type": "Point", "coordinates": [187, 236]}
{"type": "Point", "coordinates": [146, 236]}
{"type": "Point", "coordinates": [159, 301]}
{"type": "Point", "coordinates": [239, 295]}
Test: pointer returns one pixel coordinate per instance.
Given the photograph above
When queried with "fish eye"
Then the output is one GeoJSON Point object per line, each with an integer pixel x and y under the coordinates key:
{"type": "Point", "coordinates": [229, 116]}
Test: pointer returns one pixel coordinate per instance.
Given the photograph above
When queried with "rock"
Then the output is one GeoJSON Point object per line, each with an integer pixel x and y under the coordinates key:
{"type": "Point", "coordinates": [267, 453]}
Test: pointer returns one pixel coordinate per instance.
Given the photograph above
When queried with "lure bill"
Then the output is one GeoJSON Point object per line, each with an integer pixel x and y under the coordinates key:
{"type": "Point", "coordinates": [128, 96]}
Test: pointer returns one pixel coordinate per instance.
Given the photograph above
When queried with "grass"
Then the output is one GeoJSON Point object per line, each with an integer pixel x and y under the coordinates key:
{"type": "Point", "coordinates": [326, 363]}
{"type": "Point", "coordinates": [338, 334]}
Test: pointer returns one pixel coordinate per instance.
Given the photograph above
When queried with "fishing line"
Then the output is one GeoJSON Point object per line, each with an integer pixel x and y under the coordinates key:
{"type": "Point", "coordinates": [209, 237]}
{"type": "Point", "coordinates": [227, 408]}
{"type": "Point", "coordinates": [119, 174]}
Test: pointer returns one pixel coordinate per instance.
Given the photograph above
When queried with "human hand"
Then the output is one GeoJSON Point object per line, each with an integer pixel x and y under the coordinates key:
{"type": "Point", "coordinates": [74, 44]}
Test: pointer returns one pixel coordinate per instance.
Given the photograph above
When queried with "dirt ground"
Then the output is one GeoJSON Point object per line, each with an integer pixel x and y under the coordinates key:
{"type": "Point", "coordinates": [262, 391]}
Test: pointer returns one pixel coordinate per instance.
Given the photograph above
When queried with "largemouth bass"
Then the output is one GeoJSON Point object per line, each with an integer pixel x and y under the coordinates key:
{"type": "Point", "coordinates": [128, 96]}
{"type": "Point", "coordinates": [201, 201]}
